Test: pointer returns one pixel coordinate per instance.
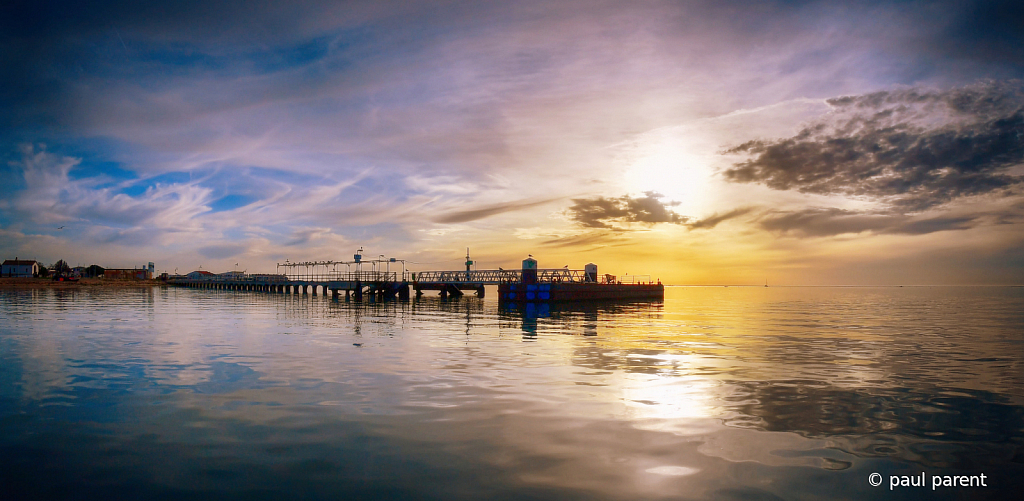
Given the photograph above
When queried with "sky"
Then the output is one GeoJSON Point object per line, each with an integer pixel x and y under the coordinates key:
{"type": "Point", "coordinates": [719, 142]}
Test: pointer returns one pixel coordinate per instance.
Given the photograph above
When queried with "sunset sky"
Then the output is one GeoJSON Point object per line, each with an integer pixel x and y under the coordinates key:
{"type": "Point", "coordinates": [714, 142]}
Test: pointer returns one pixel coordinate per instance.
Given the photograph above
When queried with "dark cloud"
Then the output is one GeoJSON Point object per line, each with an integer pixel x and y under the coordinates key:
{"type": "Point", "coordinates": [306, 235]}
{"type": "Point", "coordinates": [713, 220]}
{"type": "Point", "coordinates": [603, 212]}
{"type": "Point", "coordinates": [912, 149]}
{"type": "Point", "coordinates": [465, 216]}
{"type": "Point", "coordinates": [821, 222]}
{"type": "Point", "coordinates": [221, 251]}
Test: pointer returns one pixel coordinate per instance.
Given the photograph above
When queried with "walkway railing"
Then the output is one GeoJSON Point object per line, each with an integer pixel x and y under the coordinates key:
{"type": "Point", "coordinates": [491, 277]}
{"type": "Point", "coordinates": [343, 276]}
{"type": "Point", "coordinates": [347, 276]}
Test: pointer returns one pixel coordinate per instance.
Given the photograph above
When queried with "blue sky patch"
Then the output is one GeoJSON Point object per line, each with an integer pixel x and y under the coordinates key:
{"type": "Point", "coordinates": [231, 202]}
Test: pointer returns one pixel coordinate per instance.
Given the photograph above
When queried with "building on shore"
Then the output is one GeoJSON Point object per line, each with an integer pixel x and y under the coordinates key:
{"type": "Point", "coordinates": [200, 275]}
{"type": "Point", "coordinates": [127, 274]}
{"type": "Point", "coordinates": [22, 268]}
{"type": "Point", "coordinates": [144, 273]}
{"type": "Point", "coordinates": [93, 271]}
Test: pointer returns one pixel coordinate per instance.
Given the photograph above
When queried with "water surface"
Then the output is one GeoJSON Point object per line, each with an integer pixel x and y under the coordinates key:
{"type": "Point", "coordinates": [714, 393]}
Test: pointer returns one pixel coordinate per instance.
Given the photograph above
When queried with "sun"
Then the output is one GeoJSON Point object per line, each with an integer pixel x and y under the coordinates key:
{"type": "Point", "coordinates": [665, 165]}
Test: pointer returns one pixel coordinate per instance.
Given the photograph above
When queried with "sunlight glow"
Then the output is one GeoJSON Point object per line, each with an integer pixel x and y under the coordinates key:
{"type": "Point", "coordinates": [664, 164]}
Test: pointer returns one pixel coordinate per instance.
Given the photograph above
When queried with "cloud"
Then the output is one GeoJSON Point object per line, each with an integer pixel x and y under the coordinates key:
{"type": "Point", "coordinates": [221, 251]}
{"type": "Point", "coordinates": [51, 195]}
{"type": "Point", "coordinates": [601, 239]}
{"type": "Point", "coordinates": [713, 220]}
{"type": "Point", "coordinates": [45, 176]}
{"type": "Point", "coordinates": [307, 235]}
{"type": "Point", "coordinates": [822, 222]}
{"type": "Point", "coordinates": [603, 212]}
{"type": "Point", "coordinates": [465, 216]}
{"type": "Point", "coordinates": [910, 149]}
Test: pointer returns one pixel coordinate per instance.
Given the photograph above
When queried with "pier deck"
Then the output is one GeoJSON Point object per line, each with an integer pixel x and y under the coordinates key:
{"type": "Point", "coordinates": [355, 285]}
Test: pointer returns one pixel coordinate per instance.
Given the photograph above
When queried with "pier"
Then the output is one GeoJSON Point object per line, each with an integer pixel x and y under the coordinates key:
{"type": "Point", "coordinates": [354, 285]}
{"type": "Point", "coordinates": [328, 278]}
{"type": "Point", "coordinates": [454, 282]}
{"type": "Point", "coordinates": [313, 277]}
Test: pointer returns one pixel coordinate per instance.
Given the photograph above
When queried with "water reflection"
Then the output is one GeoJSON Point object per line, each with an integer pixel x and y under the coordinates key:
{"type": "Point", "coordinates": [713, 393]}
{"type": "Point", "coordinates": [581, 318]}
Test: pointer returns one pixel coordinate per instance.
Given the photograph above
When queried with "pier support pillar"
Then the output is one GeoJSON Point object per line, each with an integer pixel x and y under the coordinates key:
{"type": "Point", "coordinates": [480, 291]}
{"type": "Point", "coordinates": [403, 291]}
{"type": "Point", "coordinates": [358, 293]}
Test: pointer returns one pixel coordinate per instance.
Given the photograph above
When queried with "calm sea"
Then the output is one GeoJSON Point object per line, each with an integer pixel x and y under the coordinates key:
{"type": "Point", "coordinates": [714, 393]}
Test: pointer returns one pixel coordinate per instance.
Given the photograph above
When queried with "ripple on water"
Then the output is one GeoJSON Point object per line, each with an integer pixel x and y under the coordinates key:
{"type": "Point", "coordinates": [715, 392]}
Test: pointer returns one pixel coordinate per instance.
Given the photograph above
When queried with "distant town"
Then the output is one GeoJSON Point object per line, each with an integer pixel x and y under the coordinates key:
{"type": "Point", "coordinates": [60, 271]}
{"type": "Point", "coordinates": [30, 268]}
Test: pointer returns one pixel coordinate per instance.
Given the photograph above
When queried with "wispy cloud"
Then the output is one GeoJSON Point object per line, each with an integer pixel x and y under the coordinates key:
{"type": "Point", "coordinates": [464, 216]}
{"type": "Point", "coordinates": [823, 222]}
{"type": "Point", "coordinates": [51, 196]}
{"type": "Point", "coordinates": [591, 239]}
{"type": "Point", "coordinates": [716, 219]}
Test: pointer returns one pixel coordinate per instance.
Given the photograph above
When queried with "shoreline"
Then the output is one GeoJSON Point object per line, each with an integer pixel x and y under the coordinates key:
{"type": "Point", "coordinates": [44, 283]}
